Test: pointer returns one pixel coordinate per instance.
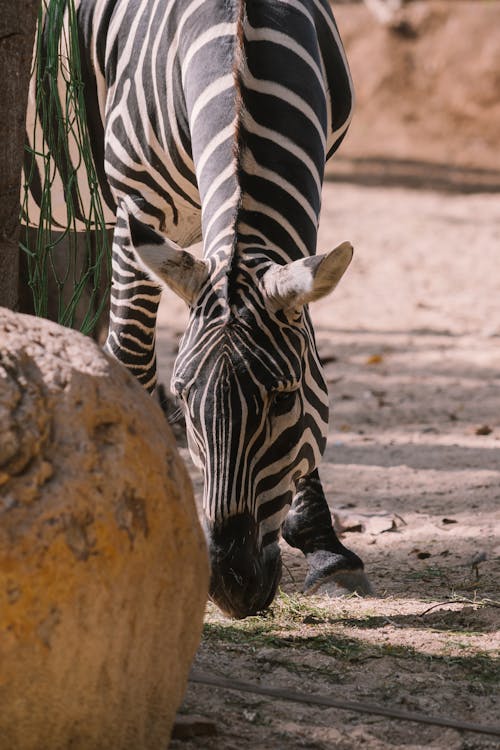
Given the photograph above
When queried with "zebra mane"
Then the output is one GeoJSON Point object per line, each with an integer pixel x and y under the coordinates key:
{"type": "Point", "coordinates": [238, 145]}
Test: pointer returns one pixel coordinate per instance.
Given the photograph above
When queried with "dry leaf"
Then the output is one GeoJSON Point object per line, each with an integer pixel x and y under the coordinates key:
{"type": "Point", "coordinates": [377, 523]}
{"type": "Point", "coordinates": [375, 359]}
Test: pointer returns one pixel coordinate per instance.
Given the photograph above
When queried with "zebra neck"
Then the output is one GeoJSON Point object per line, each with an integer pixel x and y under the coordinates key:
{"type": "Point", "coordinates": [260, 187]}
{"type": "Point", "coordinates": [279, 139]}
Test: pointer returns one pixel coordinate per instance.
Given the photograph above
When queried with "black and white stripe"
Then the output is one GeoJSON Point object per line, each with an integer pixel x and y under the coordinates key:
{"type": "Point", "coordinates": [213, 119]}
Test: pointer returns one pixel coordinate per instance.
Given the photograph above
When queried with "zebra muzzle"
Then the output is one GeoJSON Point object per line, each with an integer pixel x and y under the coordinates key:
{"type": "Point", "coordinates": [245, 575]}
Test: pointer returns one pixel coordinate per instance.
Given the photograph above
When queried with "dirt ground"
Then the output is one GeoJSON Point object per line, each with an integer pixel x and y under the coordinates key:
{"type": "Point", "coordinates": [410, 342]}
{"type": "Point", "coordinates": [411, 346]}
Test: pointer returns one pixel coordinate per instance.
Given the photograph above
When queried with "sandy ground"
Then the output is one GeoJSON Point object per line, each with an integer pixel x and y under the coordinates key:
{"type": "Point", "coordinates": [411, 345]}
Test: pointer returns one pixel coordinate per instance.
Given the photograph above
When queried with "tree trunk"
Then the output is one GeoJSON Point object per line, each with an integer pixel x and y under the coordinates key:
{"type": "Point", "coordinates": [17, 33]}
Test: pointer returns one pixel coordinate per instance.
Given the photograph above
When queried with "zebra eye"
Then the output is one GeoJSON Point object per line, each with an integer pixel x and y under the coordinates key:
{"type": "Point", "coordinates": [283, 401]}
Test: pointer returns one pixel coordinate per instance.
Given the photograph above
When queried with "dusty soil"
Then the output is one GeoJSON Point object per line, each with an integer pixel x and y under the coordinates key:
{"type": "Point", "coordinates": [411, 345]}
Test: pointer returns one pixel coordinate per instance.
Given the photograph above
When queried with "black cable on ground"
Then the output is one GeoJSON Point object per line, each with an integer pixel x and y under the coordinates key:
{"type": "Point", "coordinates": [322, 700]}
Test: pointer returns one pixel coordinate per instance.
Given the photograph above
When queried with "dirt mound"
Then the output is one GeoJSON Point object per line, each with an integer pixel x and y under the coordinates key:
{"type": "Point", "coordinates": [428, 90]}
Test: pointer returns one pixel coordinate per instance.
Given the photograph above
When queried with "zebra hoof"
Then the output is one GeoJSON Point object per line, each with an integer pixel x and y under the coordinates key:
{"type": "Point", "coordinates": [334, 575]}
{"type": "Point", "coordinates": [342, 583]}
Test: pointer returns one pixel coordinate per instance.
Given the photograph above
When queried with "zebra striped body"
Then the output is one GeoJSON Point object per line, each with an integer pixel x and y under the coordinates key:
{"type": "Point", "coordinates": [213, 119]}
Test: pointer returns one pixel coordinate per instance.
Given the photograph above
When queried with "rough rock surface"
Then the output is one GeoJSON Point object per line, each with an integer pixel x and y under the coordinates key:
{"type": "Point", "coordinates": [103, 567]}
{"type": "Point", "coordinates": [430, 95]}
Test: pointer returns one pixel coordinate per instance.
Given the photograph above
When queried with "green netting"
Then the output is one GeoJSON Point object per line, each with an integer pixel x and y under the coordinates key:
{"type": "Point", "coordinates": [61, 261]}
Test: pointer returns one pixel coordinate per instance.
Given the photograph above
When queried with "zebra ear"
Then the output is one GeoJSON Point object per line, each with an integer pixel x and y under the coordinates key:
{"type": "Point", "coordinates": [304, 281]}
{"type": "Point", "coordinates": [178, 268]}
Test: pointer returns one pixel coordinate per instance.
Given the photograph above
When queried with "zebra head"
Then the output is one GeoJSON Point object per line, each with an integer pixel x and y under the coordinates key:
{"type": "Point", "coordinates": [255, 400]}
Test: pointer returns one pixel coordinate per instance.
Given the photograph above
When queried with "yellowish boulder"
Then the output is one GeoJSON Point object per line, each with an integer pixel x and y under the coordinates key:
{"type": "Point", "coordinates": [103, 566]}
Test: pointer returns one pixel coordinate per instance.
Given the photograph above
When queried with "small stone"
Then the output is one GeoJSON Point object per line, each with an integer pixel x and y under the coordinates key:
{"type": "Point", "coordinates": [250, 716]}
{"type": "Point", "coordinates": [186, 727]}
{"type": "Point", "coordinates": [484, 430]}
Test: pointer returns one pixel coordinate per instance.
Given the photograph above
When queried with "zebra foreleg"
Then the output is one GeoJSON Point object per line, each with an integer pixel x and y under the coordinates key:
{"type": "Point", "coordinates": [308, 527]}
{"type": "Point", "coordinates": [134, 305]}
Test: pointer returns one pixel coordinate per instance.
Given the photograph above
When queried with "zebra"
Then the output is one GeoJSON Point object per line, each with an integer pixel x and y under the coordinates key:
{"type": "Point", "coordinates": [212, 120]}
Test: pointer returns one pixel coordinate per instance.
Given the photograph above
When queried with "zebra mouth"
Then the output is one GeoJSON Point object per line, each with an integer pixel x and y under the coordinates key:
{"type": "Point", "coordinates": [244, 578]}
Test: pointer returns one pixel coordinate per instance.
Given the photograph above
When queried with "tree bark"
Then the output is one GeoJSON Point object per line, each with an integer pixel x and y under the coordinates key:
{"type": "Point", "coordinates": [17, 33]}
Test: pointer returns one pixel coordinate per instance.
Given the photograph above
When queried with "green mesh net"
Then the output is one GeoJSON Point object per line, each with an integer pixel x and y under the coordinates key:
{"type": "Point", "coordinates": [68, 270]}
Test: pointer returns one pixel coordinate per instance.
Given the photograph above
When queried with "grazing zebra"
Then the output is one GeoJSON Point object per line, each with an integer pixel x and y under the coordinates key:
{"type": "Point", "coordinates": [213, 119]}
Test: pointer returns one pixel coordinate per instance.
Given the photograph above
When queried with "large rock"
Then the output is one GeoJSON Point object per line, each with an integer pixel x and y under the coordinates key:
{"type": "Point", "coordinates": [103, 567]}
